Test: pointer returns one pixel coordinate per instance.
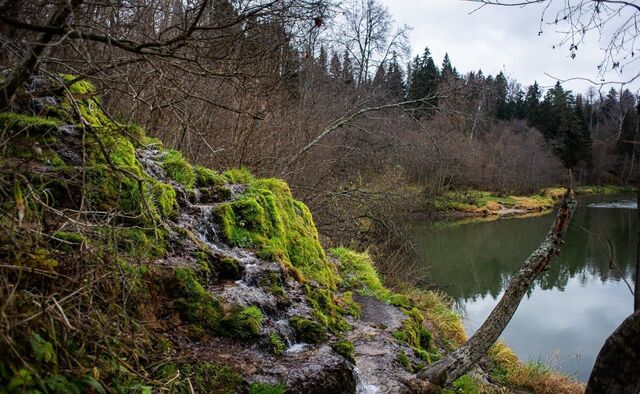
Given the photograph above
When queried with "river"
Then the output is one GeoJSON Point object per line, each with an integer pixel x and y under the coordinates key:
{"type": "Point", "coordinates": [572, 308]}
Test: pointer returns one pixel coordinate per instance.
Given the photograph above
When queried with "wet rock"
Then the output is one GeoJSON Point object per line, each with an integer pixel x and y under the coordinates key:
{"type": "Point", "coordinates": [379, 314]}
{"type": "Point", "coordinates": [211, 195]}
{"type": "Point", "coordinates": [244, 295]}
{"type": "Point", "coordinates": [310, 371]}
{"type": "Point", "coordinates": [376, 350]}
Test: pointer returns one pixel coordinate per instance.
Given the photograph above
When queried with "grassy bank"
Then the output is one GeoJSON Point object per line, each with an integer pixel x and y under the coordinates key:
{"type": "Point", "coordinates": [461, 203]}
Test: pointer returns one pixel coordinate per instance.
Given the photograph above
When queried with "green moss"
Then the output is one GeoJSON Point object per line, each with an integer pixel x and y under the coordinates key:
{"type": "Point", "coordinates": [345, 349]}
{"type": "Point", "coordinates": [266, 388]}
{"type": "Point", "coordinates": [413, 332]}
{"type": "Point", "coordinates": [195, 304]}
{"type": "Point", "coordinates": [206, 177]}
{"type": "Point", "coordinates": [464, 384]}
{"type": "Point", "coordinates": [68, 241]}
{"type": "Point", "coordinates": [275, 345]}
{"type": "Point", "coordinates": [358, 273]}
{"type": "Point", "coordinates": [138, 242]}
{"type": "Point", "coordinates": [242, 323]}
{"type": "Point", "coordinates": [325, 310]}
{"type": "Point", "coordinates": [26, 123]}
{"type": "Point", "coordinates": [404, 360]}
{"type": "Point", "coordinates": [164, 197]}
{"type": "Point", "coordinates": [349, 306]}
{"type": "Point", "coordinates": [605, 189]}
{"type": "Point", "coordinates": [179, 169]}
{"type": "Point", "coordinates": [266, 217]}
{"type": "Point", "coordinates": [80, 86]}
{"type": "Point", "coordinates": [151, 142]}
{"type": "Point", "coordinates": [308, 331]}
{"type": "Point", "coordinates": [238, 175]}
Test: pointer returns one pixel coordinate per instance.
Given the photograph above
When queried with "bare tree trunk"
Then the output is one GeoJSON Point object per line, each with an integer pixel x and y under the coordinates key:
{"type": "Point", "coordinates": [618, 364]}
{"type": "Point", "coordinates": [464, 358]}
{"type": "Point", "coordinates": [29, 62]}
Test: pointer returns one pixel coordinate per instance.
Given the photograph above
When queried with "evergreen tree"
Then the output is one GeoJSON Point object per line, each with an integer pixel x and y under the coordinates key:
{"type": "Point", "coordinates": [448, 71]}
{"type": "Point", "coordinates": [503, 108]}
{"type": "Point", "coordinates": [532, 104]}
{"type": "Point", "coordinates": [394, 80]}
{"type": "Point", "coordinates": [335, 67]}
{"type": "Point", "coordinates": [424, 82]}
{"type": "Point", "coordinates": [322, 60]}
{"type": "Point", "coordinates": [518, 105]}
{"type": "Point", "coordinates": [379, 77]}
{"type": "Point", "coordinates": [347, 69]}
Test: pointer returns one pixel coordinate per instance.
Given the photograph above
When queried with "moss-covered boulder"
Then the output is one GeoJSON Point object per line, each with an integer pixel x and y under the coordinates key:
{"type": "Point", "coordinates": [267, 218]}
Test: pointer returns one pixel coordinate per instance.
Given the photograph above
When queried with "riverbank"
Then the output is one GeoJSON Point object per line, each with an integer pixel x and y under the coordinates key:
{"type": "Point", "coordinates": [475, 203]}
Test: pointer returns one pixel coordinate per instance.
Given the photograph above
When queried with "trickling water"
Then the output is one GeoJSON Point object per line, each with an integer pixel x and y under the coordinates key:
{"type": "Point", "coordinates": [298, 348]}
{"type": "Point", "coordinates": [362, 387]}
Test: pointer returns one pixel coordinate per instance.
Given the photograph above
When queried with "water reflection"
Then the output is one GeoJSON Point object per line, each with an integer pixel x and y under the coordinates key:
{"type": "Point", "coordinates": [571, 308]}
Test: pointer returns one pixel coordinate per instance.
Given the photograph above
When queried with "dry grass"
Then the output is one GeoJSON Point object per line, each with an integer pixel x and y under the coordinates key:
{"type": "Point", "coordinates": [535, 377]}
{"type": "Point", "coordinates": [437, 309]}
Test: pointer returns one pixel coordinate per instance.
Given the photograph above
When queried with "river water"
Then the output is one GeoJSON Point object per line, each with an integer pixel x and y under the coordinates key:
{"type": "Point", "coordinates": [572, 308]}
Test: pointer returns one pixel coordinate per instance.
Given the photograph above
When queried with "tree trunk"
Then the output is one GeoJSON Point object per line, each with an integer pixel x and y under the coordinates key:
{"type": "Point", "coordinates": [461, 360]}
{"type": "Point", "coordinates": [617, 368]}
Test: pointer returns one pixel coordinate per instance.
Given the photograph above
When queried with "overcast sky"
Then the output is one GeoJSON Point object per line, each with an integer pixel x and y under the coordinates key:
{"type": "Point", "coordinates": [497, 39]}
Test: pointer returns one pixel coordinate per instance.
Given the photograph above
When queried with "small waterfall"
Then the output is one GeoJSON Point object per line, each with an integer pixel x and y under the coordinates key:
{"type": "Point", "coordinates": [362, 387]}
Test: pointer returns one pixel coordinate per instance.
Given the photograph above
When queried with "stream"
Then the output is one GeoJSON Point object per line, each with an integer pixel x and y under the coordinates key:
{"type": "Point", "coordinates": [572, 308]}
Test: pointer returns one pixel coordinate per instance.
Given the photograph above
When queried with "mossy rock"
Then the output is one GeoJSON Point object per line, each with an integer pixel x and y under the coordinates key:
{"type": "Point", "coordinates": [275, 344]}
{"type": "Point", "coordinates": [178, 169]}
{"type": "Point", "coordinates": [213, 194]}
{"type": "Point", "coordinates": [195, 304]}
{"type": "Point", "coordinates": [307, 330]}
{"type": "Point", "coordinates": [19, 123]}
{"type": "Point", "coordinates": [266, 217]}
{"type": "Point", "coordinates": [345, 349]}
{"type": "Point", "coordinates": [206, 177]}
{"type": "Point", "coordinates": [242, 323]}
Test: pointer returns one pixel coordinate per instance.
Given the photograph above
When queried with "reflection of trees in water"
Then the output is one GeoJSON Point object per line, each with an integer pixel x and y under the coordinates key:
{"type": "Point", "coordinates": [476, 260]}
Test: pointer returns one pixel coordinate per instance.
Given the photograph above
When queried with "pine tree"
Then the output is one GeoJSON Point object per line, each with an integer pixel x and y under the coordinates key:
{"type": "Point", "coordinates": [424, 82]}
{"type": "Point", "coordinates": [379, 77]}
{"type": "Point", "coordinates": [347, 69]}
{"type": "Point", "coordinates": [503, 109]}
{"type": "Point", "coordinates": [532, 104]}
{"type": "Point", "coordinates": [448, 71]}
{"type": "Point", "coordinates": [335, 67]}
{"type": "Point", "coordinates": [322, 60]}
{"type": "Point", "coordinates": [394, 80]}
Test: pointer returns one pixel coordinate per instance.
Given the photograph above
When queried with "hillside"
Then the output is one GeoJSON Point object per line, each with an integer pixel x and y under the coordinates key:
{"type": "Point", "coordinates": [126, 269]}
